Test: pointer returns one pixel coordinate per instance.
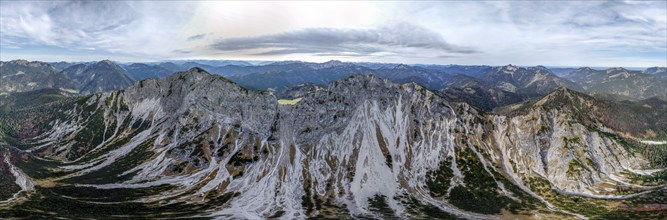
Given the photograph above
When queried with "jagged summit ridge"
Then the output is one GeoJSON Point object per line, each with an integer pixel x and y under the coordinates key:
{"type": "Point", "coordinates": [196, 90]}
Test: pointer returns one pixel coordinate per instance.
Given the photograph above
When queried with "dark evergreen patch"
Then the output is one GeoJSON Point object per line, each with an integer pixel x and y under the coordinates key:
{"type": "Point", "coordinates": [378, 204]}
{"type": "Point", "coordinates": [438, 181]}
{"type": "Point", "coordinates": [481, 192]}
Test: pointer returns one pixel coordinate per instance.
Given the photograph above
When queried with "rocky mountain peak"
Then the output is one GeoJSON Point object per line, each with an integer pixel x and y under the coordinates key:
{"type": "Point", "coordinates": [402, 67]}
{"type": "Point", "coordinates": [357, 88]}
{"type": "Point", "coordinates": [358, 80]}
{"type": "Point", "coordinates": [333, 62]}
{"type": "Point", "coordinates": [541, 67]}
{"type": "Point", "coordinates": [107, 62]}
{"type": "Point", "coordinates": [565, 99]}
{"type": "Point", "coordinates": [97, 77]}
{"type": "Point", "coordinates": [325, 65]}
{"type": "Point", "coordinates": [563, 92]}
{"type": "Point", "coordinates": [620, 73]}
{"type": "Point", "coordinates": [580, 69]}
{"type": "Point", "coordinates": [195, 91]}
{"type": "Point", "coordinates": [193, 79]}
{"type": "Point", "coordinates": [656, 69]}
{"type": "Point", "coordinates": [19, 62]}
{"type": "Point", "coordinates": [197, 70]}
{"type": "Point", "coordinates": [616, 69]}
{"type": "Point", "coordinates": [510, 68]}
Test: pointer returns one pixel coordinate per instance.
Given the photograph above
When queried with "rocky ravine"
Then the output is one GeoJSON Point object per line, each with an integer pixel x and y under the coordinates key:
{"type": "Point", "coordinates": [197, 145]}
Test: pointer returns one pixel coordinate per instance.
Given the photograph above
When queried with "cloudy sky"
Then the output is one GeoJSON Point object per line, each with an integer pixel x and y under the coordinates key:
{"type": "Point", "coordinates": [552, 33]}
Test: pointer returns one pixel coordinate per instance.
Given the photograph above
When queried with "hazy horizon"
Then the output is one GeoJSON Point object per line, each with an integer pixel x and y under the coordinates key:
{"type": "Point", "coordinates": [264, 62]}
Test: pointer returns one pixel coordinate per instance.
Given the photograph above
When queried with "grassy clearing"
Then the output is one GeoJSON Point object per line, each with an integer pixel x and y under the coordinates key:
{"type": "Point", "coordinates": [288, 101]}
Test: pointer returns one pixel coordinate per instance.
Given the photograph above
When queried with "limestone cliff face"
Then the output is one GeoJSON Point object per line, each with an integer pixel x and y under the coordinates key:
{"type": "Point", "coordinates": [343, 150]}
{"type": "Point", "coordinates": [573, 157]}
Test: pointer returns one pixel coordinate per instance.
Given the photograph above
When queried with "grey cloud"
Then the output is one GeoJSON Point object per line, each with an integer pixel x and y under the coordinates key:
{"type": "Point", "coordinates": [180, 51]}
{"type": "Point", "coordinates": [329, 50]}
{"type": "Point", "coordinates": [344, 42]}
{"type": "Point", "coordinates": [196, 37]}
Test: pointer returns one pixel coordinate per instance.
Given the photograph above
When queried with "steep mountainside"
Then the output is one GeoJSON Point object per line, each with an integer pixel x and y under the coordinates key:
{"type": "Point", "coordinates": [61, 65]}
{"type": "Point", "coordinates": [19, 100]}
{"type": "Point", "coordinates": [658, 72]}
{"type": "Point", "coordinates": [646, 119]}
{"type": "Point", "coordinates": [461, 88]}
{"type": "Point", "coordinates": [532, 81]}
{"type": "Point", "coordinates": [198, 145]}
{"type": "Point", "coordinates": [22, 75]}
{"type": "Point", "coordinates": [402, 73]}
{"type": "Point", "coordinates": [628, 84]}
{"type": "Point", "coordinates": [98, 77]}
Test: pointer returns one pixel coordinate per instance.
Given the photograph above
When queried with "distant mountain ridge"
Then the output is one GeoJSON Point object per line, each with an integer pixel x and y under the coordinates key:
{"type": "Point", "coordinates": [629, 84]}
{"type": "Point", "coordinates": [24, 76]}
{"type": "Point", "coordinates": [532, 80]}
{"type": "Point", "coordinates": [99, 77]}
{"type": "Point", "coordinates": [486, 86]}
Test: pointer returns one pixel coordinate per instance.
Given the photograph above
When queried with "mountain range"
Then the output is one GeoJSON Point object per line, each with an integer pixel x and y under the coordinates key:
{"type": "Point", "coordinates": [334, 140]}
{"type": "Point", "coordinates": [621, 82]}
{"type": "Point", "coordinates": [617, 83]}
{"type": "Point", "coordinates": [24, 76]}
